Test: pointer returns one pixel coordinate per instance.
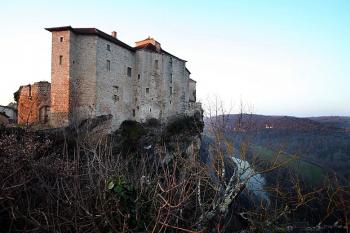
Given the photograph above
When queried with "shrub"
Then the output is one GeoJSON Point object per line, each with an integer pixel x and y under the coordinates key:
{"type": "Point", "coordinates": [153, 122]}
{"type": "Point", "coordinates": [190, 124]}
{"type": "Point", "coordinates": [131, 132]}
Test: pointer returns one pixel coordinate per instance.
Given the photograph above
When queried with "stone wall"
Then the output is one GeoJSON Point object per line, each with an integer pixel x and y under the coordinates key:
{"type": "Point", "coordinates": [60, 77]}
{"type": "Point", "coordinates": [114, 90]}
{"type": "Point", "coordinates": [34, 103]}
{"type": "Point", "coordinates": [192, 90]}
{"type": "Point", "coordinates": [93, 76]}
{"type": "Point", "coordinates": [83, 84]}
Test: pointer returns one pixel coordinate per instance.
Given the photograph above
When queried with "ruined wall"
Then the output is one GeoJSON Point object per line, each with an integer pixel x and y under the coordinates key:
{"type": "Point", "coordinates": [34, 103]}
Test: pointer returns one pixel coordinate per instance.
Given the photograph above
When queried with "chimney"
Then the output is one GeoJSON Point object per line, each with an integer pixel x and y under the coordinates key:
{"type": "Point", "coordinates": [114, 34]}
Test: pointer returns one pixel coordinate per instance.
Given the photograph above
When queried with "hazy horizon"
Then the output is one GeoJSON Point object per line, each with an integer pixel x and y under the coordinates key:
{"type": "Point", "coordinates": [281, 58]}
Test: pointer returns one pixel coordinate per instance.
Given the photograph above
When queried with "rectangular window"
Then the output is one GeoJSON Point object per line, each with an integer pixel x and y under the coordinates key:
{"type": "Point", "coordinates": [156, 64]}
{"type": "Point", "coordinates": [108, 65]}
{"type": "Point", "coordinates": [61, 59]}
{"type": "Point", "coordinates": [147, 90]}
{"type": "Point", "coordinates": [116, 98]}
{"type": "Point", "coordinates": [138, 76]}
{"type": "Point", "coordinates": [171, 90]}
{"type": "Point", "coordinates": [109, 47]}
{"type": "Point", "coordinates": [129, 72]}
{"type": "Point", "coordinates": [171, 78]}
{"type": "Point", "coordinates": [133, 113]}
{"type": "Point", "coordinates": [61, 39]}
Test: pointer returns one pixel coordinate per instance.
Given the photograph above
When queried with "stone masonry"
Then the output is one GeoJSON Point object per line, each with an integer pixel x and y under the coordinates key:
{"type": "Point", "coordinates": [95, 74]}
{"type": "Point", "coordinates": [34, 103]}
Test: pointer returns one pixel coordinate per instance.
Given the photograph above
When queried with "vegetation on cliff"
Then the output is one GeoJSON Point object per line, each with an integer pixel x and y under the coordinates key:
{"type": "Point", "coordinates": [149, 177]}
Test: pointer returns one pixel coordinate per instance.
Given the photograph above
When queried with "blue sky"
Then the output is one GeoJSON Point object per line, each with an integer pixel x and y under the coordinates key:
{"type": "Point", "coordinates": [278, 57]}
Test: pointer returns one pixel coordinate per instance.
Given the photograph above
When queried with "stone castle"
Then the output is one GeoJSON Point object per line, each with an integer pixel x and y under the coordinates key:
{"type": "Point", "coordinates": [95, 74]}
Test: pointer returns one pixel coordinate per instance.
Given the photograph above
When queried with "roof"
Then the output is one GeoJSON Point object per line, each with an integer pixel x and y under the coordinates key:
{"type": "Point", "coordinates": [96, 32]}
{"type": "Point", "coordinates": [92, 31]}
{"type": "Point", "coordinates": [191, 80]}
{"type": "Point", "coordinates": [4, 114]}
{"type": "Point", "coordinates": [8, 107]}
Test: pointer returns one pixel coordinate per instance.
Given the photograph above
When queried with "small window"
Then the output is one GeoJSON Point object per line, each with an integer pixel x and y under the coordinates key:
{"type": "Point", "coordinates": [61, 59]}
{"type": "Point", "coordinates": [171, 78]}
{"type": "Point", "coordinates": [108, 47]}
{"type": "Point", "coordinates": [61, 39]}
{"type": "Point", "coordinates": [150, 110]}
{"type": "Point", "coordinates": [138, 107]}
{"type": "Point", "coordinates": [116, 88]}
{"type": "Point", "coordinates": [171, 90]}
{"type": "Point", "coordinates": [156, 64]}
{"type": "Point", "coordinates": [170, 102]}
{"type": "Point", "coordinates": [116, 98]}
{"type": "Point", "coordinates": [108, 65]}
{"type": "Point", "coordinates": [30, 92]}
{"type": "Point", "coordinates": [133, 113]}
{"type": "Point", "coordinates": [138, 76]}
{"type": "Point", "coordinates": [171, 60]}
{"type": "Point", "coordinates": [147, 90]}
{"type": "Point", "coordinates": [129, 72]}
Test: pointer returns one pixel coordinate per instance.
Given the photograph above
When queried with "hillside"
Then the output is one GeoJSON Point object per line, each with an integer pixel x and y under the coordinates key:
{"type": "Point", "coordinates": [322, 142]}
{"type": "Point", "coordinates": [335, 121]}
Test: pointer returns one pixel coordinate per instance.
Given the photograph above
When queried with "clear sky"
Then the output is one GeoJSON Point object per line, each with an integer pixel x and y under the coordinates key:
{"type": "Point", "coordinates": [283, 57]}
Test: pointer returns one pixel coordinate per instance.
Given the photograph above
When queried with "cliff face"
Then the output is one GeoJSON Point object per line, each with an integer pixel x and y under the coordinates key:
{"type": "Point", "coordinates": [130, 180]}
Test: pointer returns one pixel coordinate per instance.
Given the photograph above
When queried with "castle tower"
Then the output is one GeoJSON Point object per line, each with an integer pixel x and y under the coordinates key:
{"type": "Point", "coordinates": [61, 60]}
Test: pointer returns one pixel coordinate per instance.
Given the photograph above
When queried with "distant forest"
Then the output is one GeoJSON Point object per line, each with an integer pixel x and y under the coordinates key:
{"type": "Point", "coordinates": [324, 141]}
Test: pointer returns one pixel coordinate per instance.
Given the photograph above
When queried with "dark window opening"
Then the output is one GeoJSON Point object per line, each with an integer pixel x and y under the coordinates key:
{"type": "Point", "coordinates": [171, 90]}
{"type": "Point", "coordinates": [44, 114]}
{"type": "Point", "coordinates": [61, 39]}
{"type": "Point", "coordinates": [156, 64]}
{"type": "Point", "coordinates": [109, 47]}
{"type": "Point", "coordinates": [147, 90]}
{"type": "Point", "coordinates": [133, 113]}
{"type": "Point", "coordinates": [150, 110]}
{"type": "Point", "coordinates": [61, 59]}
{"type": "Point", "coordinates": [108, 65]}
{"type": "Point", "coordinates": [138, 76]}
{"type": "Point", "coordinates": [116, 98]}
{"type": "Point", "coordinates": [30, 92]}
{"type": "Point", "coordinates": [171, 78]}
{"type": "Point", "coordinates": [138, 107]}
{"type": "Point", "coordinates": [129, 72]}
